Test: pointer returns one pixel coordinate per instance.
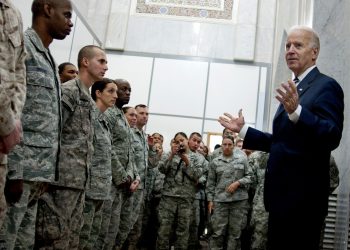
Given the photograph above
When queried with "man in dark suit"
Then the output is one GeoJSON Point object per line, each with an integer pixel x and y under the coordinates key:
{"type": "Point", "coordinates": [306, 128]}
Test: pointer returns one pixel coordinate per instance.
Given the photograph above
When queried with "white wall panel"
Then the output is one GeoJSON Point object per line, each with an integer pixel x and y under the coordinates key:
{"type": "Point", "coordinates": [168, 126]}
{"type": "Point", "coordinates": [178, 87]}
{"type": "Point", "coordinates": [135, 69]}
{"type": "Point", "coordinates": [232, 87]}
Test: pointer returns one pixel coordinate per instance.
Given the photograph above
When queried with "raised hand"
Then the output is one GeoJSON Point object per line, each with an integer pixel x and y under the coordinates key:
{"type": "Point", "coordinates": [233, 123]}
{"type": "Point", "coordinates": [287, 95]}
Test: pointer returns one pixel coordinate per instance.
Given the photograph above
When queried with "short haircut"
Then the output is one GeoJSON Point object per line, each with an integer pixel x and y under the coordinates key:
{"type": "Point", "coordinates": [38, 6]}
{"type": "Point", "coordinates": [87, 52]}
{"type": "Point", "coordinates": [315, 40]}
{"type": "Point", "coordinates": [62, 66]}
{"type": "Point", "coordinates": [195, 133]}
{"type": "Point", "coordinates": [140, 106]}
{"type": "Point", "coordinates": [99, 85]}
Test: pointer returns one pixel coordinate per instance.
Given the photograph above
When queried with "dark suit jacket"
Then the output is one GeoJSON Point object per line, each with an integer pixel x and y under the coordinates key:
{"type": "Point", "coordinates": [297, 175]}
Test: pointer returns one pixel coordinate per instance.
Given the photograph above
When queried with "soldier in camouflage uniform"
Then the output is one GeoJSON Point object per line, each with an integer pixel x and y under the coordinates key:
{"type": "Point", "coordinates": [182, 169]}
{"type": "Point", "coordinates": [154, 184]}
{"type": "Point", "coordinates": [259, 217]}
{"type": "Point", "coordinates": [33, 163]}
{"type": "Point", "coordinates": [12, 88]}
{"type": "Point", "coordinates": [98, 186]}
{"type": "Point", "coordinates": [141, 149]}
{"type": "Point", "coordinates": [124, 172]}
{"type": "Point", "coordinates": [227, 190]}
{"type": "Point", "coordinates": [217, 152]}
{"type": "Point", "coordinates": [198, 215]}
{"type": "Point", "coordinates": [60, 212]}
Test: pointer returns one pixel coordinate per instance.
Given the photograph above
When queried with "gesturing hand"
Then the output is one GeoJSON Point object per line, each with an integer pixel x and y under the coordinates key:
{"type": "Point", "coordinates": [288, 96]}
{"type": "Point", "coordinates": [233, 123]}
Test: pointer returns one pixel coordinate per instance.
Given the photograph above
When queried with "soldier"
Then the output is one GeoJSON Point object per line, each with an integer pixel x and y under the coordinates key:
{"type": "Point", "coordinates": [60, 212]}
{"type": "Point", "coordinates": [98, 186]}
{"type": "Point", "coordinates": [33, 163]}
{"type": "Point", "coordinates": [199, 205]}
{"type": "Point", "coordinates": [218, 151]}
{"type": "Point", "coordinates": [259, 216]}
{"type": "Point", "coordinates": [141, 145]}
{"type": "Point", "coordinates": [12, 88]}
{"type": "Point", "coordinates": [67, 71]}
{"type": "Point", "coordinates": [125, 178]}
{"type": "Point", "coordinates": [227, 190]}
{"type": "Point", "coordinates": [182, 170]}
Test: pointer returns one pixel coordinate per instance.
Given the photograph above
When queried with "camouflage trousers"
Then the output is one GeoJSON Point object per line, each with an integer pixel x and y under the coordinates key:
{"type": "Point", "coordinates": [60, 218]}
{"type": "Point", "coordinates": [136, 218]}
{"type": "Point", "coordinates": [92, 223]}
{"type": "Point", "coordinates": [259, 226]}
{"type": "Point", "coordinates": [18, 229]}
{"type": "Point", "coordinates": [193, 241]}
{"type": "Point", "coordinates": [3, 205]}
{"type": "Point", "coordinates": [120, 206]}
{"type": "Point", "coordinates": [174, 211]}
{"type": "Point", "coordinates": [228, 220]}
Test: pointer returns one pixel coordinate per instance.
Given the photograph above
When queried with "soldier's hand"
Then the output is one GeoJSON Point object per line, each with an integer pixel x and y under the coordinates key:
{"type": "Point", "coordinates": [210, 207]}
{"type": "Point", "coordinates": [13, 190]}
{"type": "Point", "coordinates": [134, 185]}
{"type": "Point", "coordinates": [9, 141]}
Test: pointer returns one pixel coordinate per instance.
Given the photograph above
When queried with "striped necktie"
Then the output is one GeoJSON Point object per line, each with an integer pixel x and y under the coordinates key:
{"type": "Point", "coordinates": [296, 80]}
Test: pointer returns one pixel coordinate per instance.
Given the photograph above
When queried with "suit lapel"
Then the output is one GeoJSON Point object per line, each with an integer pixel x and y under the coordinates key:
{"type": "Point", "coordinates": [302, 87]}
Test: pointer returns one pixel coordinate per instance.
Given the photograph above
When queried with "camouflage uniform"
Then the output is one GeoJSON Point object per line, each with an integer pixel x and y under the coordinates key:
{"type": "Point", "coordinates": [154, 185]}
{"type": "Point", "coordinates": [216, 153]}
{"type": "Point", "coordinates": [197, 206]}
{"type": "Point", "coordinates": [35, 159]}
{"type": "Point", "coordinates": [177, 198]}
{"type": "Point", "coordinates": [259, 218]}
{"type": "Point", "coordinates": [60, 214]}
{"type": "Point", "coordinates": [122, 167]}
{"type": "Point", "coordinates": [99, 183]}
{"type": "Point", "coordinates": [230, 209]}
{"type": "Point", "coordinates": [12, 81]}
{"type": "Point", "coordinates": [140, 146]}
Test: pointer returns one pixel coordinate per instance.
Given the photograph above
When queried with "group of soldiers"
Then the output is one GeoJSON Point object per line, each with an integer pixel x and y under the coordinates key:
{"type": "Point", "coordinates": [77, 170]}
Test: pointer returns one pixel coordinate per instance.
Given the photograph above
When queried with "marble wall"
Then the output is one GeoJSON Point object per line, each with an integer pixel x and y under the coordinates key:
{"type": "Point", "coordinates": [332, 23]}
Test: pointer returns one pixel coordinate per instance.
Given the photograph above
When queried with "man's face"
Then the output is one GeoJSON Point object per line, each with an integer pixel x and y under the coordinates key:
{"type": "Point", "coordinates": [194, 142]}
{"type": "Point", "coordinates": [299, 53]}
{"type": "Point", "coordinates": [131, 117]}
{"type": "Point", "coordinates": [60, 24]}
{"type": "Point", "coordinates": [229, 132]}
{"type": "Point", "coordinates": [97, 65]}
{"type": "Point", "coordinates": [69, 72]}
{"type": "Point", "coordinates": [239, 144]}
{"type": "Point", "coordinates": [142, 116]}
{"type": "Point", "coordinates": [157, 138]}
{"type": "Point", "coordinates": [124, 91]}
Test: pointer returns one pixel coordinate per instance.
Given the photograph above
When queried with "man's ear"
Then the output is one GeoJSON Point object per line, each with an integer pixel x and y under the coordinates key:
{"type": "Point", "coordinates": [315, 53]}
{"type": "Point", "coordinates": [85, 61]}
{"type": "Point", "coordinates": [48, 9]}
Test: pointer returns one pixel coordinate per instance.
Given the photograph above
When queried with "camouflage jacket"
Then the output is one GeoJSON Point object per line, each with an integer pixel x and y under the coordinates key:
{"type": "Point", "coordinates": [140, 146]}
{"type": "Point", "coordinates": [122, 153]}
{"type": "Point", "coordinates": [35, 159]}
{"type": "Point", "coordinates": [77, 135]}
{"type": "Point", "coordinates": [258, 162]}
{"type": "Point", "coordinates": [12, 69]}
{"type": "Point", "coordinates": [99, 181]}
{"type": "Point", "coordinates": [225, 170]}
{"type": "Point", "coordinates": [202, 181]}
{"type": "Point", "coordinates": [180, 181]}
